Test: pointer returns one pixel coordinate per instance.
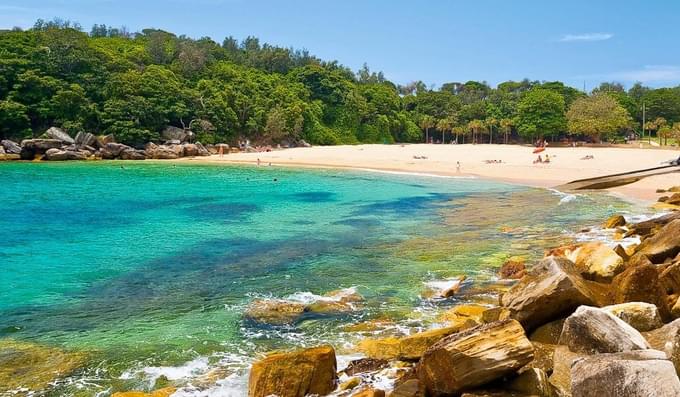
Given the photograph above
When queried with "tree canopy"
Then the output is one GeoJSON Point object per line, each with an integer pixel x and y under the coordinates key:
{"type": "Point", "coordinates": [597, 116]}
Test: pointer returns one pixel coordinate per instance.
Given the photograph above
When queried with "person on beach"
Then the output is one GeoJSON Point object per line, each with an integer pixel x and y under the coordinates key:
{"type": "Point", "coordinates": [538, 160]}
{"type": "Point", "coordinates": [258, 161]}
{"type": "Point", "coordinates": [547, 158]}
{"type": "Point", "coordinates": [458, 166]}
{"type": "Point", "coordinates": [221, 150]}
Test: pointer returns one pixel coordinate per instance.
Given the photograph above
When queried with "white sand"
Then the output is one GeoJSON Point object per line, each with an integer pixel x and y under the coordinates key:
{"type": "Point", "coordinates": [517, 167]}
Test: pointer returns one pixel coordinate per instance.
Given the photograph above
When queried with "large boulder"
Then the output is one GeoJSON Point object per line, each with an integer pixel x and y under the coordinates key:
{"type": "Point", "coordinates": [640, 315]}
{"type": "Point", "coordinates": [641, 373]}
{"type": "Point", "coordinates": [190, 150]}
{"type": "Point", "coordinates": [664, 244]}
{"type": "Point", "coordinates": [102, 140]}
{"type": "Point", "coordinates": [31, 147]}
{"type": "Point", "coordinates": [560, 378]}
{"type": "Point", "coordinates": [62, 155]}
{"type": "Point", "coordinates": [414, 346]}
{"type": "Point", "coordinates": [591, 330]}
{"type": "Point", "coordinates": [667, 339]}
{"type": "Point", "coordinates": [550, 290]}
{"type": "Point", "coordinates": [85, 139]}
{"type": "Point", "coordinates": [132, 154]}
{"type": "Point", "coordinates": [471, 358]}
{"type": "Point", "coordinates": [640, 283]}
{"type": "Point", "coordinates": [202, 150]}
{"type": "Point", "coordinates": [60, 135]}
{"type": "Point", "coordinates": [10, 147]}
{"type": "Point", "coordinates": [274, 312]}
{"type": "Point", "coordinates": [295, 374]}
{"type": "Point", "coordinates": [614, 221]}
{"type": "Point", "coordinates": [596, 261]}
{"type": "Point", "coordinates": [171, 133]}
{"type": "Point", "coordinates": [116, 148]}
{"type": "Point", "coordinates": [648, 227]}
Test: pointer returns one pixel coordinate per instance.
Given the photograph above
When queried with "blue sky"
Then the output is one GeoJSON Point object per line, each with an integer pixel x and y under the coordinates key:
{"type": "Point", "coordinates": [574, 41]}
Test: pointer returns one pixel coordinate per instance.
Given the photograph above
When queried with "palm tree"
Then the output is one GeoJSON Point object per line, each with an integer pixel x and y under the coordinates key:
{"type": "Point", "coordinates": [490, 123]}
{"type": "Point", "coordinates": [444, 125]}
{"type": "Point", "coordinates": [506, 127]}
{"type": "Point", "coordinates": [475, 125]}
{"type": "Point", "coordinates": [655, 125]}
{"type": "Point", "coordinates": [459, 130]}
{"type": "Point", "coordinates": [426, 122]}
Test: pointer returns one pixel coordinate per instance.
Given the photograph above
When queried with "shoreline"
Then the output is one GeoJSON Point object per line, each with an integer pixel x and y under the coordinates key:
{"type": "Point", "coordinates": [516, 167]}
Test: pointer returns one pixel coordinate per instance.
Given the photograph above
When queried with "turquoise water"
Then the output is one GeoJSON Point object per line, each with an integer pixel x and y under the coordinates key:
{"type": "Point", "coordinates": [147, 267]}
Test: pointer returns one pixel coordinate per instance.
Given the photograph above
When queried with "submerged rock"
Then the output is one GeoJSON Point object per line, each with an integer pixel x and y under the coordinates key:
{"type": "Point", "coordinates": [474, 357]}
{"type": "Point", "coordinates": [275, 312]}
{"type": "Point", "coordinates": [591, 330]}
{"type": "Point", "coordinates": [295, 374]}
{"type": "Point", "coordinates": [513, 268]}
{"type": "Point", "coordinates": [642, 373]}
{"type": "Point", "coordinates": [33, 367]}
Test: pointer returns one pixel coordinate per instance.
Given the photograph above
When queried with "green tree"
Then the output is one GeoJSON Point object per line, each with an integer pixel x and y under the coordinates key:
{"type": "Point", "coordinates": [14, 120]}
{"type": "Point", "coordinates": [540, 113]}
{"type": "Point", "coordinates": [427, 122]}
{"type": "Point", "coordinates": [598, 116]}
{"type": "Point", "coordinates": [506, 127]}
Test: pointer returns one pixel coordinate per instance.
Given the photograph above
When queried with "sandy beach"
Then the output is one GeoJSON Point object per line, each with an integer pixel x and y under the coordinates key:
{"type": "Point", "coordinates": [517, 165]}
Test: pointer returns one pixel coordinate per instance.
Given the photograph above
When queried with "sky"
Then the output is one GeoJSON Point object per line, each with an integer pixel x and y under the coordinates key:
{"type": "Point", "coordinates": [577, 41]}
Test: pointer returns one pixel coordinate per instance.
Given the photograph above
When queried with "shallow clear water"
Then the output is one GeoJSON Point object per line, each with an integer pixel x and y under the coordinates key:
{"type": "Point", "coordinates": [147, 267]}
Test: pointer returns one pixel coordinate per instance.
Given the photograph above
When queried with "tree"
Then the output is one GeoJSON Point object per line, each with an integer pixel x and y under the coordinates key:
{"type": "Point", "coordinates": [597, 116]}
{"type": "Point", "coordinates": [675, 132]}
{"type": "Point", "coordinates": [13, 119]}
{"type": "Point", "coordinates": [475, 126]}
{"type": "Point", "coordinates": [427, 122]}
{"type": "Point", "coordinates": [445, 125]}
{"type": "Point", "coordinates": [490, 123]}
{"type": "Point", "coordinates": [540, 113]}
{"type": "Point", "coordinates": [506, 127]}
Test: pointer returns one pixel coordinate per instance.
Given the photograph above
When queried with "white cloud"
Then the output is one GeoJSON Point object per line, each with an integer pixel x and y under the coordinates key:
{"type": "Point", "coordinates": [650, 74]}
{"type": "Point", "coordinates": [586, 37]}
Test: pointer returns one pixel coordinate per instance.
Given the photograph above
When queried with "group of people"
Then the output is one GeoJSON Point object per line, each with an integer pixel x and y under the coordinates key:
{"type": "Point", "coordinates": [542, 160]}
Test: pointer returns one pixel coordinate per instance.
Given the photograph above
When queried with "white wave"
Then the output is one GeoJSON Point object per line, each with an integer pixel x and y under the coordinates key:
{"type": "Point", "coordinates": [234, 385]}
{"type": "Point", "coordinates": [186, 371]}
{"type": "Point", "coordinates": [565, 197]}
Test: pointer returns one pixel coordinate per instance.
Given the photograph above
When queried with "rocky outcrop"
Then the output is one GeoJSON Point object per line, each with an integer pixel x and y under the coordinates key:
{"type": "Point", "coordinates": [641, 373]}
{"type": "Point", "coordinates": [295, 374]}
{"type": "Point", "coordinates": [591, 330]}
{"type": "Point", "coordinates": [171, 133]}
{"type": "Point", "coordinates": [60, 135]}
{"type": "Point", "coordinates": [640, 315]}
{"type": "Point", "coordinates": [275, 312]}
{"type": "Point", "coordinates": [414, 346]}
{"type": "Point", "coordinates": [381, 349]}
{"type": "Point", "coordinates": [664, 244]}
{"type": "Point", "coordinates": [551, 289]}
{"type": "Point", "coordinates": [474, 357]}
{"type": "Point", "coordinates": [132, 154]}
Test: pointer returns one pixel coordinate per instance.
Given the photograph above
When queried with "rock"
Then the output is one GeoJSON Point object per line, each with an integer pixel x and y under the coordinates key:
{"type": "Point", "coordinates": [620, 251]}
{"type": "Point", "coordinates": [160, 152]}
{"type": "Point", "coordinates": [33, 367]}
{"type": "Point", "coordinates": [202, 150]}
{"type": "Point", "coordinates": [102, 140]}
{"type": "Point", "coordinates": [674, 189]}
{"type": "Point", "coordinates": [640, 283]}
{"type": "Point", "coordinates": [60, 135]}
{"type": "Point", "coordinates": [190, 150]}
{"type": "Point", "coordinates": [381, 349]}
{"type": "Point", "coordinates": [364, 365]}
{"type": "Point", "coordinates": [591, 330]}
{"type": "Point", "coordinates": [513, 268]}
{"type": "Point", "coordinates": [543, 357]}
{"type": "Point", "coordinates": [413, 346]}
{"type": "Point", "coordinates": [674, 199]}
{"type": "Point", "coordinates": [116, 148]}
{"type": "Point", "coordinates": [370, 392]}
{"type": "Point", "coordinates": [614, 221]}
{"type": "Point", "coordinates": [667, 339]}
{"type": "Point", "coordinates": [10, 147]}
{"type": "Point", "coordinates": [350, 383]}
{"type": "Point", "coordinates": [548, 333]}
{"type": "Point", "coordinates": [410, 388]}
{"type": "Point", "coordinates": [561, 375]}
{"type": "Point", "coordinates": [165, 392]}
{"type": "Point", "coordinates": [663, 244]}
{"type": "Point", "coordinates": [40, 145]}
{"type": "Point", "coordinates": [474, 357]}
{"type": "Point", "coordinates": [669, 279]}
{"type": "Point", "coordinates": [275, 312]}
{"type": "Point", "coordinates": [177, 149]}
{"type": "Point", "coordinates": [303, 143]}
{"type": "Point", "coordinates": [640, 315]}
{"type": "Point", "coordinates": [85, 139]}
{"type": "Point", "coordinates": [296, 374]}
{"type": "Point", "coordinates": [596, 261]}
{"type": "Point", "coordinates": [641, 373]}
{"type": "Point", "coordinates": [171, 133]}
{"type": "Point", "coordinates": [62, 155]}
{"type": "Point", "coordinates": [461, 313]}
{"type": "Point", "coordinates": [495, 314]}
{"type": "Point", "coordinates": [551, 289]}
{"type": "Point", "coordinates": [132, 154]}
{"type": "Point", "coordinates": [648, 227]}
{"type": "Point", "coordinates": [532, 382]}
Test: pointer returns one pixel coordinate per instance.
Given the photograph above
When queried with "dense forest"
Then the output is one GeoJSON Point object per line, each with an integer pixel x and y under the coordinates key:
{"type": "Point", "coordinates": [133, 85]}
